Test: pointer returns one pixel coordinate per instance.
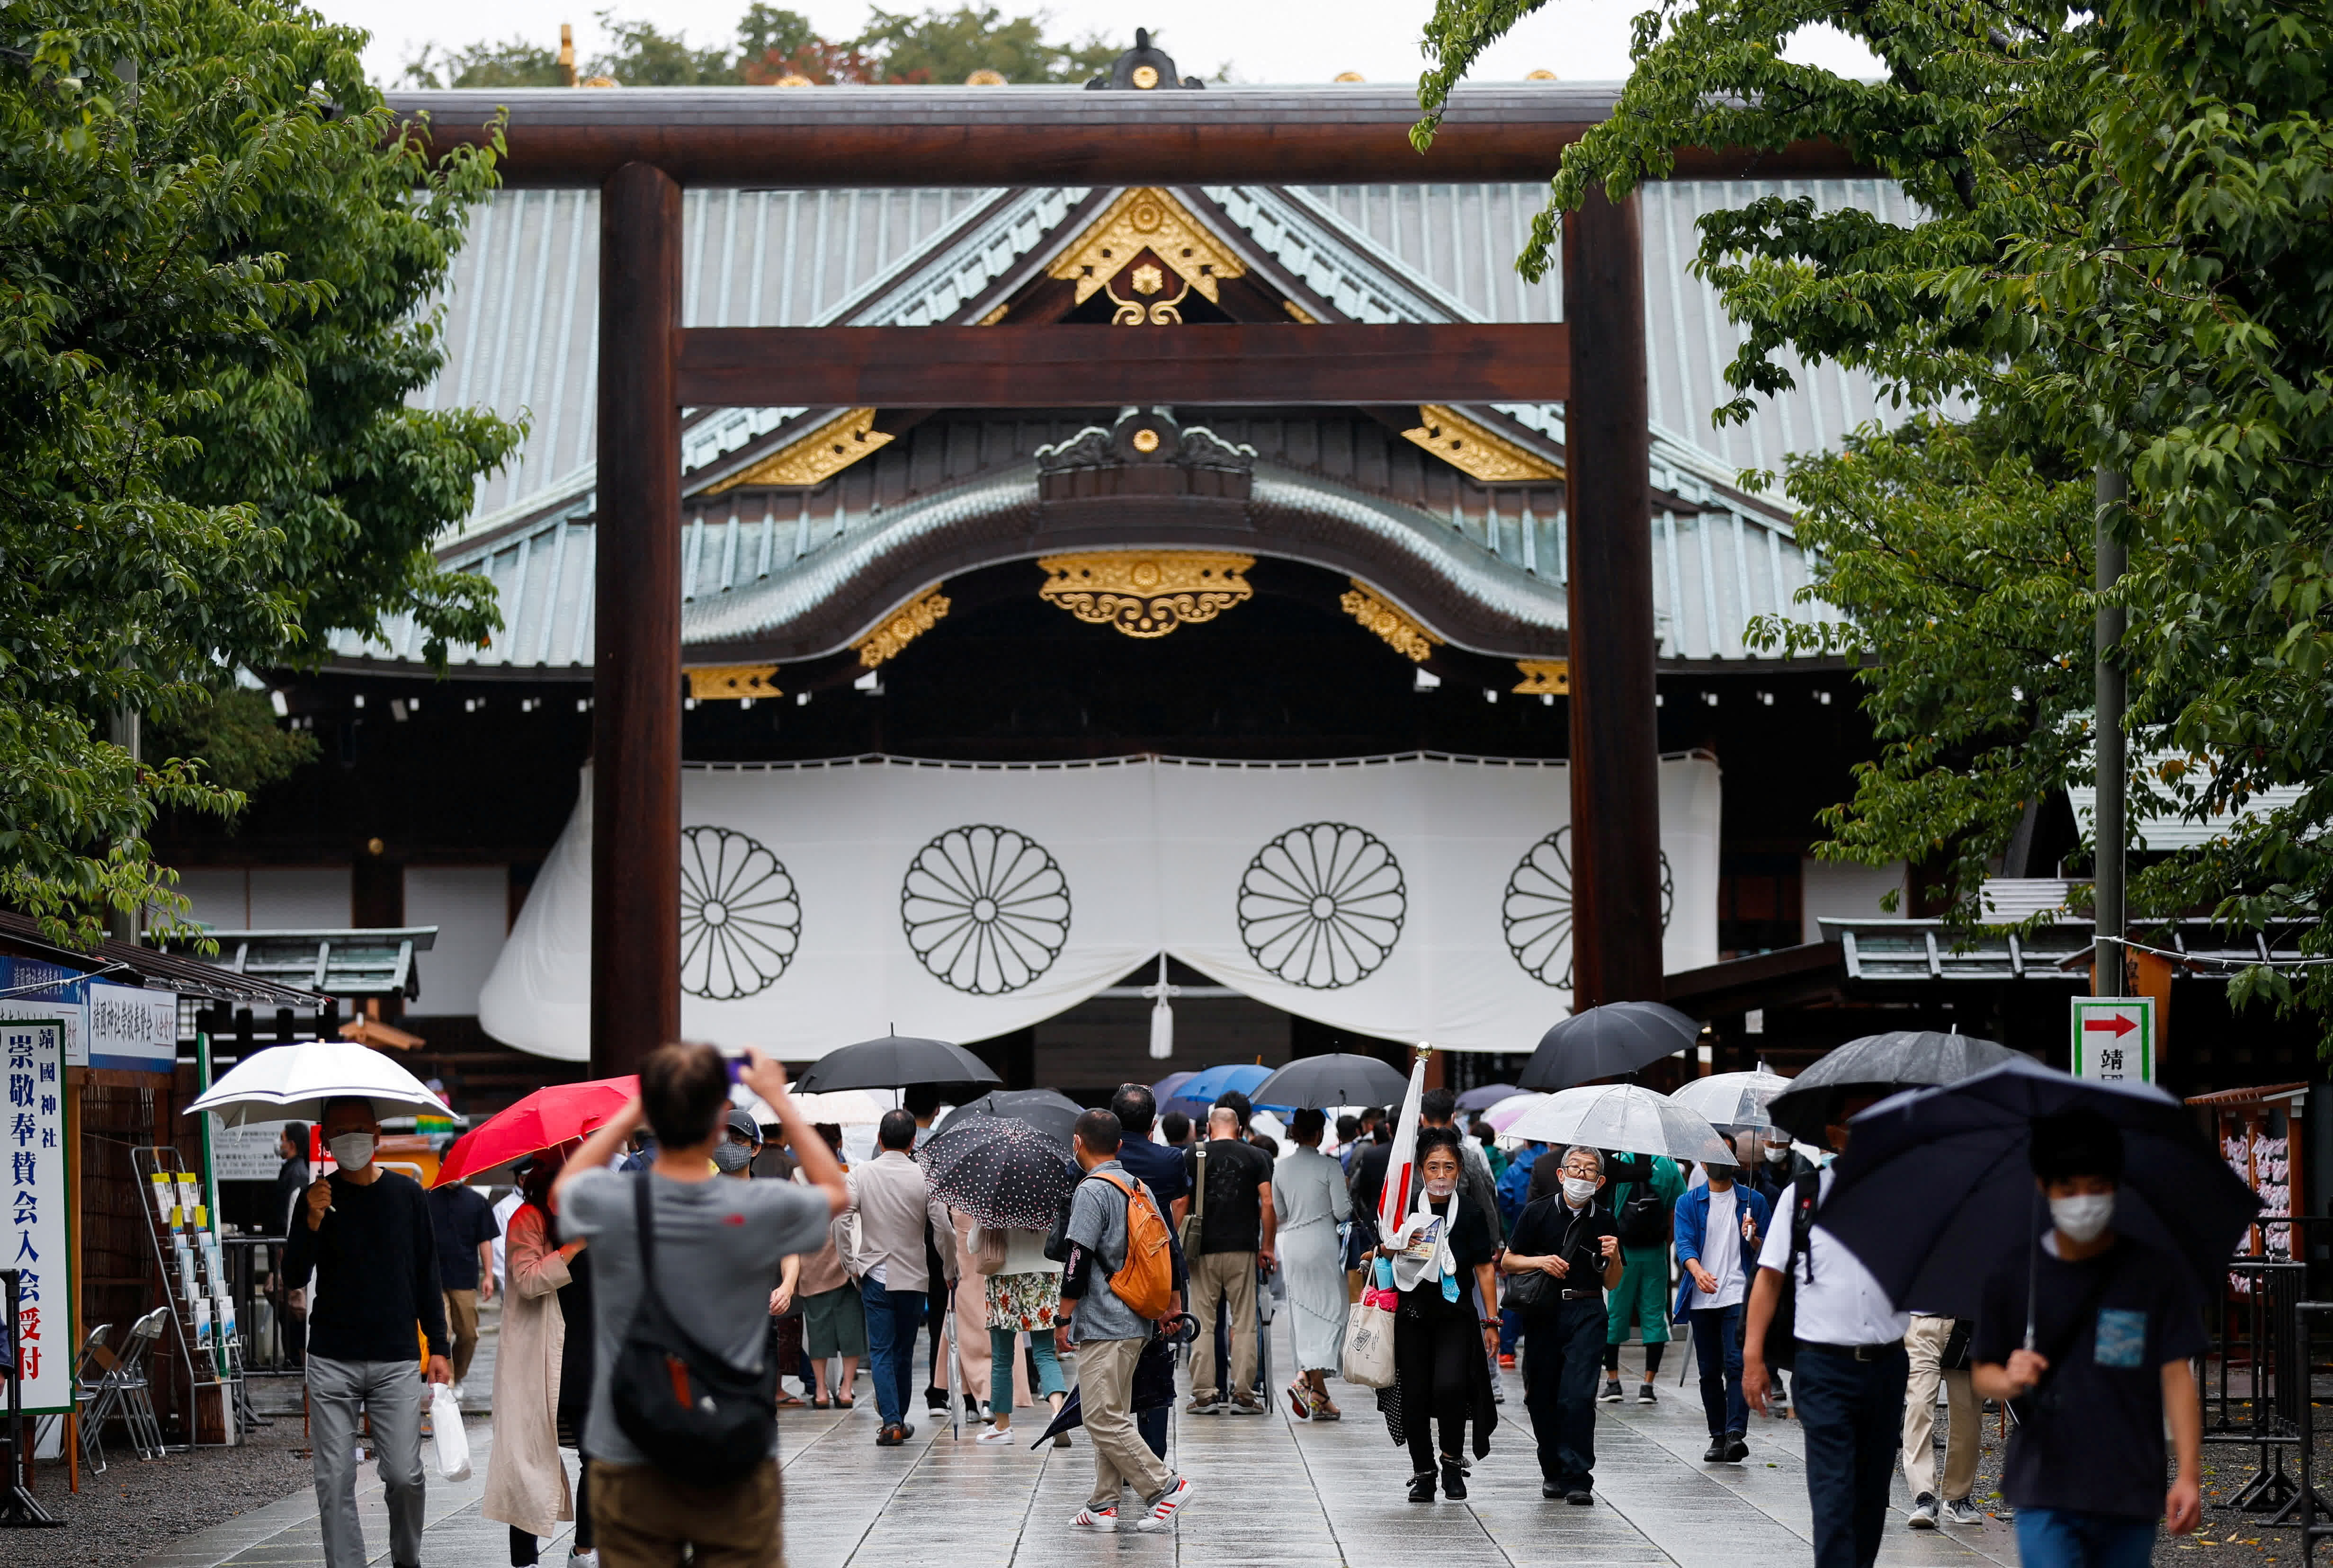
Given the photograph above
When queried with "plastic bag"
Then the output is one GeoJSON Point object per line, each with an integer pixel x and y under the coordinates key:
{"type": "Point", "coordinates": [447, 1433]}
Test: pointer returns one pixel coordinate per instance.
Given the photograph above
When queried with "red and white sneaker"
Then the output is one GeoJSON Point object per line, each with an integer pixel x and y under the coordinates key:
{"type": "Point", "coordinates": [1103, 1519]}
{"type": "Point", "coordinates": [1161, 1515]}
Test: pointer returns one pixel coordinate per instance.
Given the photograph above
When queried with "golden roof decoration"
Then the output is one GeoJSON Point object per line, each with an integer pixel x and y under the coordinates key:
{"type": "Point", "coordinates": [1146, 593]}
{"type": "Point", "coordinates": [718, 682]}
{"type": "Point", "coordinates": [1380, 615]}
{"type": "Point", "coordinates": [1476, 450]}
{"type": "Point", "coordinates": [902, 626]}
{"type": "Point", "coordinates": [816, 457]}
{"type": "Point", "coordinates": [1543, 677]}
{"type": "Point", "coordinates": [987, 76]}
{"type": "Point", "coordinates": [1147, 216]}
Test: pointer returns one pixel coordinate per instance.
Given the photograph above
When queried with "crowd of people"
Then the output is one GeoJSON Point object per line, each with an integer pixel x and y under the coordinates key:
{"type": "Point", "coordinates": [663, 1278]}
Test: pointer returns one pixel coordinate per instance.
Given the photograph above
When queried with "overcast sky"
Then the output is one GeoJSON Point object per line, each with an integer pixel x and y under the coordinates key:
{"type": "Point", "coordinates": [1274, 41]}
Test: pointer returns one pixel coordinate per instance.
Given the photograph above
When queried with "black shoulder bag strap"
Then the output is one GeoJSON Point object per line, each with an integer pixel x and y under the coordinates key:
{"type": "Point", "coordinates": [2038, 1398]}
{"type": "Point", "coordinates": [1782, 1343]}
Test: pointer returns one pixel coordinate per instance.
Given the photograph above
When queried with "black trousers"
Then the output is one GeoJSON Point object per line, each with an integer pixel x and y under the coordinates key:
{"type": "Point", "coordinates": [1435, 1358]}
{"type": "Point", "coordinates": [1563, 1349]}
{"type": "Point", "coordinates": [1852, 1412]}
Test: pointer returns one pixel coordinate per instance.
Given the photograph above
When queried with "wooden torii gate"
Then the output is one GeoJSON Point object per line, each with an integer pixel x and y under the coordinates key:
{"type": "Point", "coordinates": [640, 146]}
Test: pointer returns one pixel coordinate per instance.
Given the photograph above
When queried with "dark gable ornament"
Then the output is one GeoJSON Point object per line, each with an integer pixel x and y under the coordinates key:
{"type": "Point", "coordinates": [1141, 69]}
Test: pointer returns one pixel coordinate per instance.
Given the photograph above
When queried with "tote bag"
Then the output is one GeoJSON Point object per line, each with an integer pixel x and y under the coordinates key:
{"type": "Point", "coordinates": [1368, 1344]}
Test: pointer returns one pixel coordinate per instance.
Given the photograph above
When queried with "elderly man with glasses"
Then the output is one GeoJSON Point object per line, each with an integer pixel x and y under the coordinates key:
{"type": "Point", "coordinates": [1570, 1237]}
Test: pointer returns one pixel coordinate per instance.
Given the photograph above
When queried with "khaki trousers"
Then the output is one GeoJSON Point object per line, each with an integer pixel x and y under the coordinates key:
{"type": "Point", "coordinates": [1924, 1346]}
{"type": "Point", "coordinates": [1105, 1395]}
{"type": "Point", "coordinates": [461, 1328]}
{"type": "Point", "coordinates": [1224, 1282]}
{"type": "Point", "coordinates": [643, 1518]}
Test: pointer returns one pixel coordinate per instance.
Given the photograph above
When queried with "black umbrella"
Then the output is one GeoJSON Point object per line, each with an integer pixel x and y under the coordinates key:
{"type": "Point", "coordinates": [894, 1062]}
{"type": "Point", "coordinates": [1048, 1111]}
{"type": "Point", "coordinates": [1007, 1175]}
{"type": "Point", "coordinates": [1339, 1078]}
{"type": "Point", "coordinates": [1154, 1378]}
{"type": "Point", "coordinates": [1616, 1037]}
{"type": "Point", "coordinates": [1486, 1096]}
{"type": "Point", "coordinates": [1878, 1064]}
{"type": "Point", "coordinates": [1935, 1191]}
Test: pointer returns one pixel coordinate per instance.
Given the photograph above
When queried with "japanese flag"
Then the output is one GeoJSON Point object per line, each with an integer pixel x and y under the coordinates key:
{"type": "Point", "coordinates": [1401, 1168]}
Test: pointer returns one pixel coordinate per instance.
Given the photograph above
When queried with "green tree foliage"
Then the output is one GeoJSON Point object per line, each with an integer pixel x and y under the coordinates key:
{"type": "Point", "coordinates": [514, 62]}
{"type": "Point", "coordinates": [213, 312]}
{"type": "Point", "coordinates": [947, 46]}
{"type": "Point", "coordinates": [235, 731]}
{"type": "Point", "coordinates": [2119, 259]}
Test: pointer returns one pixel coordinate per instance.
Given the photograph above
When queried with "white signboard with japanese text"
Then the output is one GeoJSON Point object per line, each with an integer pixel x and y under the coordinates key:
{"type": "Point", "coordinates": [246, 1154]}
{"type": "Point", "coordinates": [2114, 1038]}
{"type": "Point", "coordinates": [132, 1028]}
{"type": "Point", "coordinates": [32, 989]}
{"type": "Point", "coordinates": [40, 1175]}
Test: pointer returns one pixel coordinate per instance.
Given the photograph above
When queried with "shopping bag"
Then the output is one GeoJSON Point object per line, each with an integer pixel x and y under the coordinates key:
{"type": "Point", "coordinates": [447, 1433]}
{"type": "Point", "coordinates": [1368, 1345]}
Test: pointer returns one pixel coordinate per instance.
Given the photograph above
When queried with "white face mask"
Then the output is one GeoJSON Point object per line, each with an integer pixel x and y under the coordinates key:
{"type": "Point", "coordinates": [2083, 1219]}
{"type": "Point", "coordinates": [1580, 1188]}
{"type": "Point", "coordinates": [1777, 1153]}
{"type": "Point", "coordinates": [351, 1151]}
{"type": "Point", "coordinates": [1441, 1186]}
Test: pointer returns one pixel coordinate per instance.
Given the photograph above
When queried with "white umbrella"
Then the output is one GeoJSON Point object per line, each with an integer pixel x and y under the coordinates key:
{"type": "Point", "coordinates": [295, 1082]}
{"type": "Point", "coordinates": [1732, 1099]}
{"type": "Point", "coordinates": [1625, 1118]}
{"type": "Point", "coordinates": [841, 1107]}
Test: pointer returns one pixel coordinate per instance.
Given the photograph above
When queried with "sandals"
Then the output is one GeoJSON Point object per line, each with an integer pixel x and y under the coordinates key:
{"type": "Point", "coordinates": [1299, 1399]}
{"type": "Point", "coordinates": [821, 1402]}
{"type": "Point", "coordinates": [789, 1401]}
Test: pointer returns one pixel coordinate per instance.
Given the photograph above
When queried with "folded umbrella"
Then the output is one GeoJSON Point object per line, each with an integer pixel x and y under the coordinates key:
{"type": "Point", "coordinates": [1339, 1078]}
{"type": "Point", "coordinates": [1935, 1189]}
{"type": "Point", "coordinates": [1154, 1378]}
{"type": "Point", "coordinates": [543, 1120]}
{"type": "Point", "coordinates": [1007, 1175]}
{"type": "Point", "coordinates": [1616, 1037]}
{"type": "Point", "coordinates": [894, 1062]}
{"type": "Point", "coordinates": [1732, 1100]}
{"type": "Point", "coordinates": [296, 1082]}
{"type": "Point", "coordinates": [1878, 1064]}
{"type": "Point", "coordinates": [1048, 1111]}
{"type": "Point", "coordinates": [1625, 1118]}
{"type": "Point", "coordinates": [1485, 1097]}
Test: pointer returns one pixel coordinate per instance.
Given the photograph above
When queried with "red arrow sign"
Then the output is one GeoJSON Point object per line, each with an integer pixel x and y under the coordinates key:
{"type": "Point", "coordinates": [2115, 1024]}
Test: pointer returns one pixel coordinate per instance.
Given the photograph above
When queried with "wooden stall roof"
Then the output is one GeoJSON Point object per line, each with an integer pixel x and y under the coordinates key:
{"type": "Point", "coordinates": [801, 139]}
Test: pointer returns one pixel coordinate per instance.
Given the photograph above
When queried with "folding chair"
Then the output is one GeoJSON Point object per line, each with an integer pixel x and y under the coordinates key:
{"type": "Point", "coordinates": [89, 1373]}
{"type": "Point", "coordinates": [133, 1386]}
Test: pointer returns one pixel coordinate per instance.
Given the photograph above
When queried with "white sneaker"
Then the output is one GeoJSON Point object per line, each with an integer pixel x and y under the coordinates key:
{"type": "Point", "coordinates": [461, 1395]}
{"type": "Point", "coordinates": [584, 1560]}
{"type": "Point", "coordinates": [995, 1435]}
{"type": "Point", "coordinates": [1102, 1519]}
{"type": "Point", "coordinates": [1961, 1511]}
{"type": "Point", "coordinates": [1923, 1512]}
{"type": "Point", "coordinates": [1162, 1513]}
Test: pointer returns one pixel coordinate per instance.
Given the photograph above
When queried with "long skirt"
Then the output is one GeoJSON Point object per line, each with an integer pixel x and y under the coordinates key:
{"type": "Point", "coordinates": [1313, 1269]}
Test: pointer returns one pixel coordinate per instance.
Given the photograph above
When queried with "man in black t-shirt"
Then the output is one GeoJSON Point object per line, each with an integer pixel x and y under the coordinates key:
{"type": "Point", "coordinates": [2114, 1323]}
{"type": "Point", "coordinates": [1236, 1232]}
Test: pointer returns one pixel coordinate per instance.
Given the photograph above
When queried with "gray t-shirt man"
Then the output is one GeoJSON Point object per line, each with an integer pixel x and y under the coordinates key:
{"type": "Point", "coordinates": [1098, 1224]}
{"type": "Point", "coordinates": [718, 1245]}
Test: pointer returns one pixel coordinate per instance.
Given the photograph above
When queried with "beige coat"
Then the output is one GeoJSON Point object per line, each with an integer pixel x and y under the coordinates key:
{"type": "Point", "coordinates": [527, 1485]}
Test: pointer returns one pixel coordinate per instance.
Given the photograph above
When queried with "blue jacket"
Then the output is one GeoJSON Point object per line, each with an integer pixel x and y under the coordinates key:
{"type": "Point", "coordinates": [1693, 1228]}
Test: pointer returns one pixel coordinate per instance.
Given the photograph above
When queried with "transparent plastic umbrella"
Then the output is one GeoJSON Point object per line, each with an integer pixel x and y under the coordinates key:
{"type": "Point", "coordinates": [1736, 1100]}
{"type": "Point", "coordinates": [1625, 1118]}
{"type": "Point", "coordinates": [1502, 1115]}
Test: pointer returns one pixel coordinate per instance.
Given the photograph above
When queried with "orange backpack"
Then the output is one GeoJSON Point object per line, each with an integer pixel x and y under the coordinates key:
{"type": "Point", "coordinates": [1145, 1280]}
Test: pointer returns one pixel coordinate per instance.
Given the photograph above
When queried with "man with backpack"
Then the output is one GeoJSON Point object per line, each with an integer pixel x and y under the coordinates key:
{"type": "Point", "coordinates": [1644, 1191]}
{"type": "Point", "coordinates": [1119, 1280]}
{"type": "Point", "coordinates": [683, 1431]}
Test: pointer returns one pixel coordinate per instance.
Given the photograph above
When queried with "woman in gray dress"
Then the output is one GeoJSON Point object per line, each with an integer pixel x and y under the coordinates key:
{"type": "Point", "coordinates": [1308, 1195]}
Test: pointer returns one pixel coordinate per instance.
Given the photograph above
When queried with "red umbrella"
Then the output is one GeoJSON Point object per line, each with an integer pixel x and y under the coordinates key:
{"type": "Point", "coordinates": [543, 1120]}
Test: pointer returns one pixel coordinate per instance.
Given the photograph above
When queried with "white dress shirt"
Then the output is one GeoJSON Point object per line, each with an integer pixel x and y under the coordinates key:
{"type": "Point", "coordinates": [1838, 1302]}
{"type": "Point", "coordinates": [1721, 1252]}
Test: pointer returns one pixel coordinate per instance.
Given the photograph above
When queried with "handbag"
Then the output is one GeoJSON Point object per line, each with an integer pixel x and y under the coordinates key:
{"type": "Point", "coordinates": [1368, 1344]}
{"type": "Point", "coordinates": [1782, 1342]}
{"type": "Point", "coordinates": [1198, 1214]}
{"type": "Point", "coordinates": [988, 1257]}
{"type": "Point", "coordinates": [447, 1433]}
{"type": "Point", "coordinates": [1532, 1291]}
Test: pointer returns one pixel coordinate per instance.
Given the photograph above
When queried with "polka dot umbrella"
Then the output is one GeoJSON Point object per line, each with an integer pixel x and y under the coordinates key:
{"type": "Point", "coordinates": [1006, 1174]}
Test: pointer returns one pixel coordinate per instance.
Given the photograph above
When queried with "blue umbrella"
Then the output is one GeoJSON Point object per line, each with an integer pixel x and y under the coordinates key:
{"type": "Point", "coordinates": [1208, 1084]}
{"type": "Point", "coordinates": [1935, 1191]}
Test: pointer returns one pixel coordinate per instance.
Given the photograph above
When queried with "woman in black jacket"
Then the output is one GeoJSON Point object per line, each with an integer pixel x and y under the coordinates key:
{"type": "Point", "coordinates": [1442, 1346]}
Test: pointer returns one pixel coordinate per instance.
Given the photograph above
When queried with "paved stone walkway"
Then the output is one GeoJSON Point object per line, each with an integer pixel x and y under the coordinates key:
{"type": "Point", "coordinates": [1271, 1492]}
